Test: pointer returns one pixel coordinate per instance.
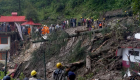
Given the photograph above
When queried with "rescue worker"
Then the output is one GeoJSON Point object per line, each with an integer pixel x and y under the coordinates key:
{"type": "Point", "coordinates": [70, 75]}
{"type": "Point", "coordinates": [34, 75]}
{"type": "Point", "coordinates": [100, 25]}
{"type": "Point", "coordinates": [29, 31]}
{"type": "Point", "coordinates": [6, 78]}
{"type": "Point", "coordinates": [91, 21]}
{"type": "Point", "coordinates": [59, 73]}
{"type": "Point", "coordinates": [82, 22]}
{"type": "Point", "coordinates": [95, 24]}
{"type": "Point", "coordinates": [71, 24]}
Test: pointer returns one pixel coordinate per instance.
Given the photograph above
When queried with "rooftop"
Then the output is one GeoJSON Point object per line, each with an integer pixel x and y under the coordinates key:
{"type": "Point", "coordinates": [13, 18]}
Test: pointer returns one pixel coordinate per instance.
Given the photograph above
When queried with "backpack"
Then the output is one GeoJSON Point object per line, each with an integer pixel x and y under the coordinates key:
{"type": "Point", "coordinates": [59, 74]}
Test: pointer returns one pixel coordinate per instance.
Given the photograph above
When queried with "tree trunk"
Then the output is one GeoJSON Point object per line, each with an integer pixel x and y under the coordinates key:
{"type": "Point", "coordinates": [88, 64]}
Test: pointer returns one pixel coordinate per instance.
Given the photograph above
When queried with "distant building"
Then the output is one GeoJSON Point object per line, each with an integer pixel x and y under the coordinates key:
{"type": "Point", "coordinates": [134, 54]}
{"type": "Point", "coordinates": [9, 34]}
{"type": "Point", "coordinates": [129, 53]}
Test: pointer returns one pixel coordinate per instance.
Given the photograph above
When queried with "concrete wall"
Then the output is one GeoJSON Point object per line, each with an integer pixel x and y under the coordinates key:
{"type": "Point", "coordinates": [5, 46]}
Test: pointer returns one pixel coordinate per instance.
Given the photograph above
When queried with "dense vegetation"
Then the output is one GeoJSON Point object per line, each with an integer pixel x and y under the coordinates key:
{"type": "Point", "coordinates": [58, 9]}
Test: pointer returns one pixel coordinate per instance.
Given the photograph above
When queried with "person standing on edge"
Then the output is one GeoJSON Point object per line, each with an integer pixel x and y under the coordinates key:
{"type": "Point", "coordinates": [87, 23]}
{"type": "Point", "coordinates": [75, 22]}
{"type": "Point", "coordinates": [29, 31]}
{"type": "Point", "coordinates": [81, 21]}
{"type": "Point", "coordinates": [34, 75]}
{"type": "Point", "coordinates": [59, 73]}
{"type": "Point", "coordinates": [67, 24]}
{"type": "Point", "coordinates": [91, 21]}
{"type": "Point", "coordinates": [71, 24]}
{"type": "Point", "coordinates": [100, 25]}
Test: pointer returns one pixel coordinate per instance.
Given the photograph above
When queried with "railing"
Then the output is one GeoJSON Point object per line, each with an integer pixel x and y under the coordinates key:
{"type": "Point", "coordinates": [7, 29]}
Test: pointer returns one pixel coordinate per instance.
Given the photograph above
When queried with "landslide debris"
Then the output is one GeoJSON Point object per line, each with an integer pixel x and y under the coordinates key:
{"type": "Point", "coordinates": [100, 45]}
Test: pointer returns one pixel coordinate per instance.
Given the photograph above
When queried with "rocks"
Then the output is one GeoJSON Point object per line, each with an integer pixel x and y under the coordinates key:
{"type": "Point", "coordinates": [99, 35]}
{"type": "Point", "coordinates": [71, 31]}
{"type": "Point", "coordinates": [113, 75]}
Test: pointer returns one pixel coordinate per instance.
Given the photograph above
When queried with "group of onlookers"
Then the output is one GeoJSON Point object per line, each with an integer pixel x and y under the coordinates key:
{"type": "Point", "coordinates": [5, 27]}
{"type": "Point", "coordinates": [89, 23]}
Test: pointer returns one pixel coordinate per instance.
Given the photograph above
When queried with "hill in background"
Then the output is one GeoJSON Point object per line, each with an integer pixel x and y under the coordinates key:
{"type": "Point", "coordinates": [62, 9]}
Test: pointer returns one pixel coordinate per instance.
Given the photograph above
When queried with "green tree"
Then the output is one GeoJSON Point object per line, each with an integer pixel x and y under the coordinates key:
{"type": "Point", "coordinates": [136, 6]}
{"type": "Point", "coordinates": [31, 13]}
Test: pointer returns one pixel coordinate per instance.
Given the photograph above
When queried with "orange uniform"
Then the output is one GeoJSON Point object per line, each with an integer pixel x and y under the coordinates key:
{"type": "Point", "coordinates": [45, 30]}
{"type": "Point", "coordinates": [100, 24]}
{"type": "Point", "coordinates": [29, 31]}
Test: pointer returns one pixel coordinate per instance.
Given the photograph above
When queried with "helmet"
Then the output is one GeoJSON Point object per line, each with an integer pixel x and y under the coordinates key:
{"type": "Point", "coordinates": [81, 17]}
{"type": "Point", "coordinates": [97, 19]}
{"type": "Point", "coordinates": [6, 78]}
{"type": "Point", "coordinates": [58, 65]}
{"type": "Point", "coordinates": [33, 73]}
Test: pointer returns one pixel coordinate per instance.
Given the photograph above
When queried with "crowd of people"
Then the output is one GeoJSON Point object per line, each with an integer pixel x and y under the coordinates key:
{"type": "Point", "coordinates": [26, 30]}
{"type": "Point", "coordinates": [88, 22]}
{"type": "Point", "coordinates": [5, 27]}
{"type": "Point", "coordinates": [60, 73]}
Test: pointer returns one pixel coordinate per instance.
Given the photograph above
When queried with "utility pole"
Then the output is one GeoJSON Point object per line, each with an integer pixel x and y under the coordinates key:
{"type": "Point", "coordinates": [42, 49]}
{"type": "Point", "coordinates": [6, 64]}
{"type": "Point", "coordinates": [45, 66]}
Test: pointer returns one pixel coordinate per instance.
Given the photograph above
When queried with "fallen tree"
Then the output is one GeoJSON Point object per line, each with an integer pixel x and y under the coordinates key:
{"type": "Point", "coordinates": [78, 33]}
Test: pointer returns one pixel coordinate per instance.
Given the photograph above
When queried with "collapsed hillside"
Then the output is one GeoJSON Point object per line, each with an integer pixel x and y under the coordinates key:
{"type": "Point", "coordinates": [100, 45]}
